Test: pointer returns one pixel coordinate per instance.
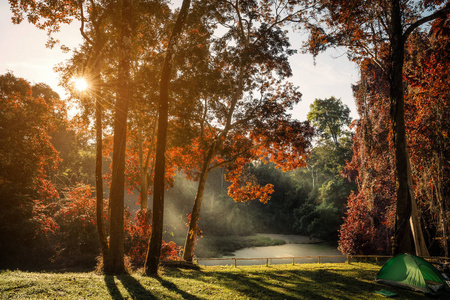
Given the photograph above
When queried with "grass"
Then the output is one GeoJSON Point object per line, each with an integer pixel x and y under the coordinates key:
{"type": "Point", "coordinates": [306, 281]}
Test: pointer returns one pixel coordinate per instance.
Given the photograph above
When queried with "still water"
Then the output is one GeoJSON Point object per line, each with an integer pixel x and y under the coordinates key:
{"type": "Point", "coordinates": [295, 246]}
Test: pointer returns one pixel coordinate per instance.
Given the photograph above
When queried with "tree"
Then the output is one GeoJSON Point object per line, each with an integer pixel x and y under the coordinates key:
{"type": "Point", "coordinates": [49, 17]}
{"type": "Point", "coordinates": [328, 117]}
{"type": "Point", "coordinates": [152, 260]}
{"type": "Point", "coordinates": [321, 215]}
{"type": "Point", "coordinates": [425, 99]}
{"type": "Point", "coordinates": [28, 116]}
{"type": "Point", "coordinates": [368, 225]}
{"type": "Point", "coordinates": [278, 214]}
{"type": "Point", "coordinates": [426, 70]}
{"type": "Point", "coordinates": [379, 30]}
{"type": "Point", "coordinates": [245, 117]}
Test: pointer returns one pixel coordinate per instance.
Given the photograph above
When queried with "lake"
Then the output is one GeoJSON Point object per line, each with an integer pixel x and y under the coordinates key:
{"type": "Point", "coordinates": [295, 246]}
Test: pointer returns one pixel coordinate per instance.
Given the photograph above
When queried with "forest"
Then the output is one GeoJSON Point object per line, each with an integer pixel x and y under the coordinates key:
{"type": "Point", "coordinates": [177, 129]}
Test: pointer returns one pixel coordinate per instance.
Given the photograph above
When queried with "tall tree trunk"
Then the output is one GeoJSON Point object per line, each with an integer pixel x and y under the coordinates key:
{"type": "Point", "coordinates": [96, 89]}
{"type": "Point", "coordinates": [120, 137]}
{"type": "Point", "coordinates": [154, 249]}
{"type": "Point", "coordinates": [144, 165]}
{"type": "Point", "coordinates": [101, 228]}
{"type": "Point", "coordinates": [439, 159]}
{"type": "Point", "coordinates": [188, 252]}
{"type": "Point", "coordinates": [143, 172]}
{"type": "Point", "coordinates": [403, 235]}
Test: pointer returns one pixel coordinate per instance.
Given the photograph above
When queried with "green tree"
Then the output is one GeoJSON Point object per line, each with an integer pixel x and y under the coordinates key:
{"type": "Point", "coordinates": [329, 117]}
{"type": "Point", "coordinates": [322, 214]}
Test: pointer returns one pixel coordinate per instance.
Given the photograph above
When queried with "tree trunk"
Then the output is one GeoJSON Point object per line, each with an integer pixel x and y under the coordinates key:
{"type": "Point", "coordinates": [154, 249]}
{"type": "Point", "coordinates": [416, 225]}
{"type": "Point", "coordinates": [143, 172]}
{"type": "Point", "coordinates": [120, 137]}
{"type": "Point", "coordinates": [188, 252]}
{"type": "Point", "coordinates": [402, 241]}
{"type": "Point", "coordinates": [96, 61]}
{"type": "Point", "coordinates": [101, 228]}
{"type": "Point", "coordinates": [440, 198]}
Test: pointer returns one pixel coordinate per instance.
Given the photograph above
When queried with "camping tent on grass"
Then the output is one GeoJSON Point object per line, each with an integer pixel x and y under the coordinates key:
{"type": "Point", "coordinates": [411, 272]}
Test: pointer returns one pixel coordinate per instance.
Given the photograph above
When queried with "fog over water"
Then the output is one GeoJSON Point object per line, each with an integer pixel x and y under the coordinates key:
{"type": "Point", "coordinates": [222, 217]}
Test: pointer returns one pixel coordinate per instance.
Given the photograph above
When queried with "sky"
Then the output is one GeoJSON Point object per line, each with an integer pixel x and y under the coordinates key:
{"type": "Point", "coordinates": [23, 51]}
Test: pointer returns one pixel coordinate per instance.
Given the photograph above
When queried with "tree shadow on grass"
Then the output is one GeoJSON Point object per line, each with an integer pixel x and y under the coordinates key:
{"type": "Point", "coordinates": [173, 287]}
{"type": "Point", "coordinates": [301, 284]}
{"type": "Point", "coordinates": [246, 283]}
{"type": "Point", "coordinates": [112, 288]}
{"type": "Point", "coordinates": [135, 288]}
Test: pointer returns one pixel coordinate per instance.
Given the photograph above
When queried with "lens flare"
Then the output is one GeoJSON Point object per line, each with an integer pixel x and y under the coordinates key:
{"type": "Point", "coordinates": [80, 84]}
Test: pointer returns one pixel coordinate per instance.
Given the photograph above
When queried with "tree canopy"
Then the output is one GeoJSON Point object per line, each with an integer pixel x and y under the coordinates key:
{"type": "Point", "coordinates": [203, 91]}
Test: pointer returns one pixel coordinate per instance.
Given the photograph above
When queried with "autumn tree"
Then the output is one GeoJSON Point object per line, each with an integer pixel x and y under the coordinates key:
{"type": "Point", "coordinates": [426, 73]}
{"type": "Point", "coordinates": [50, 17]}
{"type": "Point", "coordinates": [370, 216]}
{"type": "Point", "coordinates": [379, 30]}
{"type": "Point", "coordinates": [189, 63]}
{"type": "Point", "coordinates": [245, 117]}
{"type": "Point", "coordinates": [146, 56]}
{"type": "Point", "coordinates": [28, 116]}
{"type": "Point", "coordinates": [374, 204]}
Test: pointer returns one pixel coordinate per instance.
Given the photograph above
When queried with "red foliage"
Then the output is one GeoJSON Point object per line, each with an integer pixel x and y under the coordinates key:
{"type": "Point", "coordinates": [137, 235]}
{"type": "Point", "coordinates": [428, 121]}
{"type": "Point", "coordinates": [67, 226]}
{"type": "Point", "coordinates": [370, 216]}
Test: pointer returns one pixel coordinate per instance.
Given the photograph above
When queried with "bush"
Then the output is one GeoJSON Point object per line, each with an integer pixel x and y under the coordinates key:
{"type": "Point", "coordinates": [63, 232]}
{"type": "Point", "coordinates": [137, 235]}
{"type": "Point", "coordinates": [76, 240]}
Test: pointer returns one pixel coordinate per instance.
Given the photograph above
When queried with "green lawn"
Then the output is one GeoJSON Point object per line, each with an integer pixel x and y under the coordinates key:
{"type": "Point", "coordinates": [306, 281]}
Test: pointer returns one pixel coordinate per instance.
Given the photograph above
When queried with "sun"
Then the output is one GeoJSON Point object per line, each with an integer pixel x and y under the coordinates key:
{"type": "Point", "coordinates": [80, 84]}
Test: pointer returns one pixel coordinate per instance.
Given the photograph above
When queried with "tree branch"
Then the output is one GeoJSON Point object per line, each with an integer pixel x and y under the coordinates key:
{"type": "Point", "coordinates": [442, 12]}
{"type": "Point", "coordinates": [82, 25]}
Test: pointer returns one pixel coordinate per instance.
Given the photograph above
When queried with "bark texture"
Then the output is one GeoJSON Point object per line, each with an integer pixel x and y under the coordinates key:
{"type": "Point", "coordinates": [408, 236]}
{"type": "Point", "coordinates": [154, 250]}
{"type": "Point", "coordinates": [189, 244]}
{"type": "Point", "coordinates": [116, 261]}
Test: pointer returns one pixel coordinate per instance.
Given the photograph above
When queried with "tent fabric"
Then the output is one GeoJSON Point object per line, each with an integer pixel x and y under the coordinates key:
{"type": "Point", "coordinates": [413, 272]}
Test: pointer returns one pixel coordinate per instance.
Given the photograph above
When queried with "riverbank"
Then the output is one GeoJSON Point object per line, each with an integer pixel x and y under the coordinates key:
{"type": "Point", "coordinates": [219, 246]}
{"type": "Point", "coordinates": [311, 281]}
{"type": "Point", "coordinates": [291, 238]}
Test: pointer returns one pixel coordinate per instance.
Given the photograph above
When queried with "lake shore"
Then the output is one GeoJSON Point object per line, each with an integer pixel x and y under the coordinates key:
{"type": "Point", "coordinates": [260, 245]}
{"type": "Point", "coordinates": [219, 246]}
{"type": "Point", "coordinates": [292, 238]}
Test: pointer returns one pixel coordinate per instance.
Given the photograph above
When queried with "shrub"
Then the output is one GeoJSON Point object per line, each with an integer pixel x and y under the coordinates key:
{"type": "Point", "coordinates": [65, 231]}
{"type": "Point", "coordinates": [137, 235]}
